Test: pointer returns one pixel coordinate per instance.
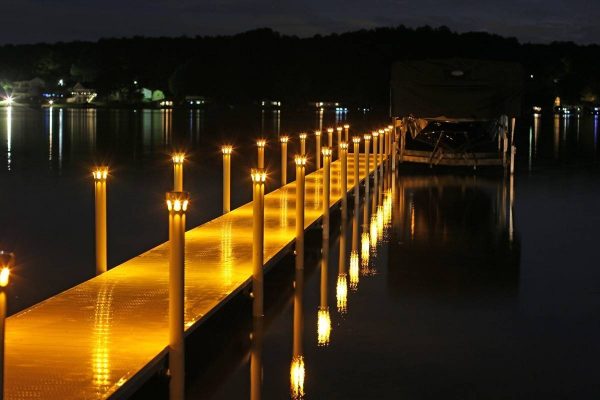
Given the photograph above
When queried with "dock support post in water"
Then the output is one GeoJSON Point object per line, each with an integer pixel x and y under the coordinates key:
{"type": "Point", "coordinates": [260, 144]}
{"type": "Point", "coordinates": [256, 359]}
{"type": "Point", "coordinates": [284, 142]}
{"type": "Point", "coordinates": [227, 150]}
{"type": "Point", "coordinates": [326, 189]}
{"type": "Point", "coordinates": [344, 178]}
{"type": "Point", "coordinates": [259, 176]}
{"type": "Point", "coordinates": [330, 138]}
{"type": "Point", "coordinates": [178, 159]}
{"type": "Point", "coordinates": [177, 203]}
{"type": "Point", "coordinates": [100, 175]}
{"type": "Point", "coordinates": [302, 137]}
{"type": "Point", "coordinates": [318, 150]}
{"type": "Point", "coordinates": [300, 161]}
{"type": "Point", "coordinates": [7, 260]}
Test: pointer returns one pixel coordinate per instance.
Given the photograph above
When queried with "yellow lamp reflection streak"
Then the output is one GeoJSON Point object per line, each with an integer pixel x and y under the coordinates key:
{"type": "Point", "coordinates": [341, 293]}
{"type": "Point", "coordinates": [102, 333]}
{"type": "Point", "coordinates": [297, 375]}
{"type": "Point", "coordinates": [354, 270]}
{"type": "Point", "coordinates": [323, 327]}
{"type": "Point", "coordinates": [297, 369]}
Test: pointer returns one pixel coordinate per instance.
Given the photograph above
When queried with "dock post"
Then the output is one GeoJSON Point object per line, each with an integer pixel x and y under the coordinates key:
{"type": "Point", "coordinates": [356, 141]}
{"type": "Point", "coordinates": [178, 159]}
{"type": "Point", "coordinates": [367, 138]}
{"type": "Point", "coordinates": [226, 150]}
{"type": "Point", "coordinates": [259, 176]}
{"type": "Point", "coordinates": [300, 161]}
{"type": "Point", "coordinates": [375, 135]}
{"type": "Point", "coordinates": [326, 189]}
{"type": "Point", "coordinates": [177, 204]}
{"type": "Point", "coordinates": [100, 175]}
{"type": "Point", "coordinates": [344, 178]}
{"type": "Point", "coordinates": [330, 138]}
{"type": "Point", "coordinates": [284, 142]}
{"type": "Point", "coordinates": [346, 133]}
{"type": "Point", "coordinates": [339, 140]}
{"type": "Point", "coordinates": [318, 150]}
{"type": "Point", "coordinates": [7, 261]}
{"type": "Point", "coordinates": [302, 137]}
{"type": "Point", "coordinates": [381, 143]}
{"type": "Point", "coordinates": [260, 144]}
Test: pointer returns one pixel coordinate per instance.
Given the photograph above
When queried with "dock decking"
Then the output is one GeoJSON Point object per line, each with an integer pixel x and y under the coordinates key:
{"type": "Point", "coordinates": [96, 339]}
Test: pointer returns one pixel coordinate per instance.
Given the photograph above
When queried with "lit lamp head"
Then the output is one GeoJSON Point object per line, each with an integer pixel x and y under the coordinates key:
{"type": "Point", "coordinates": [317, 133]}
{"type": "Point", "coordinates": [177, 202]}
{"type": "Point", "coordinates": [9, 100]}
{"type": "Point", "coordinates": [300, 160]}
{"type": "Point", "coordinates": [178, 158]}
{"type": "Point", "coordinates": [390, 127]}
{"type": "Point", "coordinates": [367, 137]}
{"type": "Point", "coordinates": [284, 139]}
{"type": "Point", "coordinates": [258, 175]}
{"type": "Point", "coordinates": [100, 174]}
{"type": "Point", "coordinates": [381, 131]}
{"type": "Point", "coordinates": [7, 260]}
{"type": "Point", "coordinates": [227, 149]}
{"type": "Point", "coordinates": [344, 146]}
{"type": "Point", "coordinates": [339, 129]}
{"type": "Point", "coordinates": [302, 136]}
{"type": "Point", "coordinates": [346, 126]}
{"type": "Point", "coordinates": [375, 134]}
{"type": "Point", "coordinates": [261, 143]}
{"type": "Point", "coordinates": [356, 139]}
{"type": "Point", "coordinates": [326, 151]}
{"type": "Point", "coordinates": [329, 130]}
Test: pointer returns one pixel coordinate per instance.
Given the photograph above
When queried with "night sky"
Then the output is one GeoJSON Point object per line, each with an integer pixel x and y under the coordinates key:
{"type": "Point", "coordinates": [31, 21]}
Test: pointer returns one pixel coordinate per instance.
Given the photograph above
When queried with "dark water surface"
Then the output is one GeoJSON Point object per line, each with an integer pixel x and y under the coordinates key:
{"type": "Point", "coordinates": [477, 287]}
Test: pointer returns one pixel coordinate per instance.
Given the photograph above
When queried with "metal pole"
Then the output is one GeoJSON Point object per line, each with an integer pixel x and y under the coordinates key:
{"type": "Point", "coordinates": [259, 177]}
{"type": "Point", "coordinates": [343, 147]}
{"type": "Point", "coordinates": [346, 133]}
{"type": "Point", "coordinates": [177, 203]}
{"type": "Point", "coordinates": [261, 143]}
{"type": "Point", "coordinates": [326, 189]}
{"type": "Point", "coordinates": [318, 149]}
{"type": "Point", "coordinates": [302, 143]}
{"type": "Point", "coordinates": [339, 139]}
{"type": "Point", "coordinates": [226, 178]}
{"type": "Point", "coordinates": [284, 141]}
{"type": "Point", "coordinates": [356, 141]}
{"type": "Point", "coordinates": [100, 175]}
{"type": "Point", "coordinates": [178, 159]}
{"type": "Point", "coordinates": [300, 161]}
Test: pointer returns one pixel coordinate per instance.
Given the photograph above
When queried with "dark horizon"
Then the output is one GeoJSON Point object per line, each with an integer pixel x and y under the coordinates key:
{"type": "Point", "coordinates": [540, 22]}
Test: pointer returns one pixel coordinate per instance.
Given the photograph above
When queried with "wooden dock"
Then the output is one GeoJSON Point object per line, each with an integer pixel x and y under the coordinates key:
{"type": "Point", "coordinates": [106, 336]}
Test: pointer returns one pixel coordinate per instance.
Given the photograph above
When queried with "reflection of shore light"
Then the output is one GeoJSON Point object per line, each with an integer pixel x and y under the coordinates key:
{"type": "Point", "coordinates": [353, 270]}
{"type": "Point", "coordinates": [364, 249]}
{"type": "Point", "coordinates": [297, 374]}
{"type": "Point", "coordinates": [323, 327]}
{"type": "Point", "coordinates": [341, 294]}
{"type": "Point", "coordinates": [412, 221]}
{"type": "Point", "coordinates": [8, 137]}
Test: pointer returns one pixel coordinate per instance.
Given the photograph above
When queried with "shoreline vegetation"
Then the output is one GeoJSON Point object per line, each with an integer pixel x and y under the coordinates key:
{"type": "Point", "coordinates": [351, 68]}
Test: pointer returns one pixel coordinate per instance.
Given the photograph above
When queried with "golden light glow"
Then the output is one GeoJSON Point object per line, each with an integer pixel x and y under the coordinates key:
{"type": "Point", "coordinates": [329, 130]}
{"type": "Point", "coordinates": [380, 221]}
{"type": "Point", "coordinates": [317, 133]}
{"type": "Point", "coordinates": [302, 136]}
{"type": "Point", "coordinates": [300, 160]}
{"type": "Point", "coordinates": [367, 136]}
{"type": "Point", "coordinates": [341, 294]}
{"type": "Point", "coordinates": [261, 142]}
{"type": "Point", "coordinates": [177, 201]}
{"type": "Point", "coordinates": [390, 127]}
{"type": "Point", "coordinates": [227, 149]}
{"type": "Point", "coordinates": [339, 129]}
{"type": "Point", "coordinates": [381, 131]}
{"type": "Point", "coordinates": [4, 276]}
{"type": "Point", "coordinates": [323, 326]}
{"type": "Point", "coordinates": [326, 151]}
{"type": "Point", "coordinates": [356, 139]}
{"type": "Point", "coordinates": [373, 231]}
{"type": "Point", "coordinates": [375, 134]}
{"type": "Point", "coordinates": [178, 158]}
{"type": "Point", "coordinates": [297, 375]}
{"type": "Point", "coordinates": [258, 175]}
{"type": "Point", "coordinates": [344, 146]}
{"type": "Point", "coordinates": [353, 270]}
{"type": "Point", "coordinates": [100, 173]}
{"type": "Point", "coordinates": [364, 249]}
{"type": "Point", "coordinates": [284, 139]}
{"type": "Point", "coordinates": [346, 126]}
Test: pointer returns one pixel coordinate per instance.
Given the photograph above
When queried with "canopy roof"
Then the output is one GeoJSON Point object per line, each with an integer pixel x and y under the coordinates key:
{"type": "Point", "coordinates": [456, 88]}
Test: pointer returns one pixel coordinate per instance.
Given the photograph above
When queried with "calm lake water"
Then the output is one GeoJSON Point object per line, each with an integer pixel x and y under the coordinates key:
{"type": "Point", "coordinates": [463, 295]}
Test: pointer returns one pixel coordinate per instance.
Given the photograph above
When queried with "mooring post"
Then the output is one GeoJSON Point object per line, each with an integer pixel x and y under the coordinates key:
{"type": "Point", "coordinates": [330, 138]}
{"type": "Point", "coordinates": [178, 159]}
{"type": "Point", "coordinates": [284, 142]}
{"type": "Point", "coordinates": [260, 144]}
{"type": "Point", "coordinates": [7, 261]}
{"type": "Point", "coordinates": [100, 175]}
{"type": "Point", "coordinates": [177, 204]}
{"type": "Point", "coordinates": [367, 138]}
{"type": "Point", "coordinates": [259, 176]}
{"type": "Point", "coordinates": [318, 149]}
{"type": "Point", "coordinates": [356, 141]}
{"type": "Point", "coordinates": [344, 178]}
{"type": "Point", "coordinates": [346, 133]}
{"type": "Point", "coordinates": [302, 137]}
{"type": "Point", "coordinates": [326, 189]}
{"type": "Point", "coordinates": [339, 139]}
{"type": "Point", "coordinates": [381, 143]}
{"type": "Point", "coordinates": [226, 150]}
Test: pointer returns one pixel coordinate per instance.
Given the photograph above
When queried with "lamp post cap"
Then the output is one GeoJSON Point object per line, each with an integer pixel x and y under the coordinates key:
{"type": "Point", "coordinates": [178, 158]}
{"type": "Point", "coordinates": [302, 135]}
{"type": "Point", "coordinates": [284, 139]}
{"type": "Point", "coordinates": [259, 175]}
{"type": "Point", "coordinates": [356, 139]}
{"type": "Point", "coordinates": [344, 145]}
{"type": "Point", "coordinates": [317, 133]}
{"type": "Point", "coordinates": [375, 133]}
{"type": "Point", "coordinates": [330, 130]}
{"type": "Point", "coordinates": [177, 201]}
{"type": "Point", "coordinates": [367, 136]}
{"type": "Point", "coordinates": [326, 151]}
{"type": "Point", "coordinates": [227, 149]}
{"type": "Point", "coordinates": [261, 142]}
{"type": "Point", "coordinates": [300, 159]}
{"type": "Point", "coordinates": [339, 128]}
{"type": "Point", "coordinates": [100, 173]}
{"type": "Point", "coordinates": [346, 126]}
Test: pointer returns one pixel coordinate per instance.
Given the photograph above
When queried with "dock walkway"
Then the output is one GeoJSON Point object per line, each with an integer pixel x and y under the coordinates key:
{"type": "Point", "coordinates": [102, 337]}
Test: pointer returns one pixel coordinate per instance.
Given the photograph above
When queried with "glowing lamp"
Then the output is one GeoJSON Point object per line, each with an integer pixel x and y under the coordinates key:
{"type": "Point", "coordinates": [284, 139]}
{"type": "Point", "coordinates": [261, 142]}
{"type": "Point", "coordinates": [346, 126]}
{"type": "Point", "coordinates": [344, 146]}
{"type": "Point", "coordinates": [367, 136]}
{"type": "Point", "coordinates": [297, 375]}
{"type": "Point", "coordinates": [258, 175]}
{"type": "Point", "coordinates": [329, 130]}
{"type": "Point", "coordinates": [390, 127]}
{"type": "Point", "coordinates": [178, 158]}
{"type": "Point", "coordinates": [100, 173]}
{"type": "Point", "coordinates": [339, 129]}
{"type": "Point", "coordinates": [375, 134]}
{"type": "Point", "coordinates": [381, 131]}
{"type": "Point", "coordinates": [317, 133]}
{"type": "Point", "coordinates": [302, 136]}
{"type": "Point", "coordinates": [226, 149]}
{"type": "Point", "coordinates": [300, 160]}
{"type": "Point", "coordinates": [7, 260]}
{"type": "Point", "coordinates": [323, 326]}
{"type": "Point", "coordinates": [177, 201]}
{"type": "Point", "coordinates": [356, 139]}
{"type": "Point", "coordinates": [326, 151]}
